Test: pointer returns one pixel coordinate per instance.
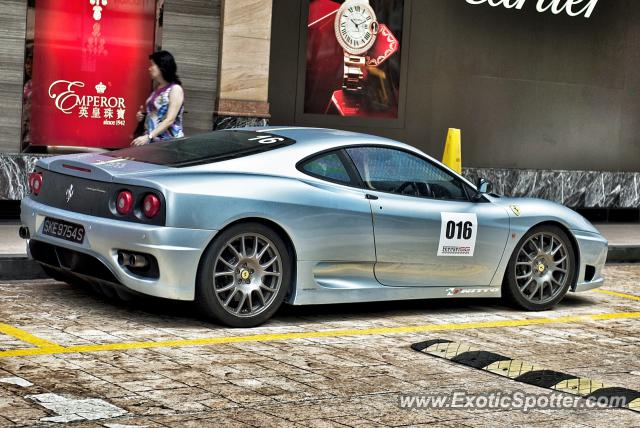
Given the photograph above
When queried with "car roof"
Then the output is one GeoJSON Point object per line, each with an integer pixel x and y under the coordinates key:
{"type": "Point", "coordinates": [309, 141]}
{"type": "Point", "coordinates": [318, 139]}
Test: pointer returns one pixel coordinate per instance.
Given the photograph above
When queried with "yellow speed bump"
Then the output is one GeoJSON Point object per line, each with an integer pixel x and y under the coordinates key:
{"type": "Point", "coordinates": [579, 386]}
{"type": "Point", "coordinates": [511, 368]}
{"type": "Point", "coordinates": [531, 374]}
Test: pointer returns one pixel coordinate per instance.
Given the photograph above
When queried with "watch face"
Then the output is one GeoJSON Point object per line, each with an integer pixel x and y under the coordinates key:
{"type": "Point", "coordinates": [356, 27]}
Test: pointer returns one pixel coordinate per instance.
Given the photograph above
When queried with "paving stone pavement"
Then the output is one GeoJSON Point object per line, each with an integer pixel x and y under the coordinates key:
{"type": "Point", "coordinates": [350, 380]}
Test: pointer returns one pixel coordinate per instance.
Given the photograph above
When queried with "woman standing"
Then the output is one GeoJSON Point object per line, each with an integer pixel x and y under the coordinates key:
{"type": "Point", "coordinates": [164, 107]}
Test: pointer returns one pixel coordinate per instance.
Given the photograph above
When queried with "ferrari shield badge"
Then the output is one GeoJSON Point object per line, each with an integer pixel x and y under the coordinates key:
{"type": "Point", "coordinates": [515, 209]}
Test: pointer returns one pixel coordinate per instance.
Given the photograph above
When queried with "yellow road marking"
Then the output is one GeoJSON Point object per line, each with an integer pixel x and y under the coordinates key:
{"type": "Point", "coordinates": [616, 294]}
{"type": "Point", "coordinates": [315, 334]}
{"type": "Point", "coordinates": [24, 336]}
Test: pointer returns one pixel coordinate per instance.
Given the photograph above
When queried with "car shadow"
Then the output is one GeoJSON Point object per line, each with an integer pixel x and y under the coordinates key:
{"type": "Point", "coordinates": [185, 314]}
{"type": "Point", "coordinates": [412, 307]}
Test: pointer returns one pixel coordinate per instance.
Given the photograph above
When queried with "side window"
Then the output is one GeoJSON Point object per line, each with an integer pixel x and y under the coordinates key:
{"type": "Point", "coordinates": [328, 166]}
{"type": "Point", "coordinates": [395, 171]}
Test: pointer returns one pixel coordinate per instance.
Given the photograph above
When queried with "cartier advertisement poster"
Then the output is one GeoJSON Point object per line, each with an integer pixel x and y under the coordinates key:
{"type": "Point", "coordinates": [353, 58]}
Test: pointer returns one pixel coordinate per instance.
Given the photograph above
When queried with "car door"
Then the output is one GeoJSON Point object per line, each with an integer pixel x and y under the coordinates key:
{"type": "Point", "coordinates": [335, 222]}
{"type": "Point", "coordinates": [427, 230]}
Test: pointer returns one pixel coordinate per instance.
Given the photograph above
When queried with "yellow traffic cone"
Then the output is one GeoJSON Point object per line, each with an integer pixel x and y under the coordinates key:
{"type": "Point", "coordinates": [453, 151]}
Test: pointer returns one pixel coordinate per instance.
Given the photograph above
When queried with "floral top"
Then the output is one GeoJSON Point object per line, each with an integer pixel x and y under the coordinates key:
{"type": "Point", "coordinates": [157, 109]}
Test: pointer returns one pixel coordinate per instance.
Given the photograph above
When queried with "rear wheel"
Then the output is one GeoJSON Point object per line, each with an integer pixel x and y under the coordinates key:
{"type": "Point", "coordinates": [244, 276]}
{"type": "Point", "coordinates": [541, 269]}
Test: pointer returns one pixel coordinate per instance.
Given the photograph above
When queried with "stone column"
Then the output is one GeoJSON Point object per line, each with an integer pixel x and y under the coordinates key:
{"type": "Point", "coordinates": [12, 35]}
{"type": "Point", "coordinates": [244, 64]}
{"type": "Point", "coordinates": [191, 32]}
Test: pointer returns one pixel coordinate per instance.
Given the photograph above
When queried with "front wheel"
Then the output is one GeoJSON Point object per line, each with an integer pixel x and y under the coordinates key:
{"type": "Point", "coordinates": [541, 269]}
{"type": "Point", "coordinates": [245, 275]}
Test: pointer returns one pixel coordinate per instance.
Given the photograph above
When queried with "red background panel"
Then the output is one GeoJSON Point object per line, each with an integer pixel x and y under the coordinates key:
{"type": "Point", "coordinates": [71, 46]}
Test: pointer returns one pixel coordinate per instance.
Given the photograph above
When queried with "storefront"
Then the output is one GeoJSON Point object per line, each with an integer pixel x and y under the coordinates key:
{"type": "Point", "coordinates": [545, 91]}
{"type": "Point", "coordinates": [75, 74]}
{"type": "Point", "coordinates": [74, 93]}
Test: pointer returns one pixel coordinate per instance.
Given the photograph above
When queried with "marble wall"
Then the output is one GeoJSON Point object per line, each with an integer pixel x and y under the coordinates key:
{"type": "Point", "coordinates": [227, 122]}
{"type": "Point", "coordinates": [575, 189]}
{"type": "Point", "coordinates": [14, 171]}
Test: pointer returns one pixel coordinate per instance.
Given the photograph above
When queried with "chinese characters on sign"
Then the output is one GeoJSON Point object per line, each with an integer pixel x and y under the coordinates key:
{"type": "Point", "coordinates": [89, 71]}
{"type": "Point", "coordinates": [101, 106]}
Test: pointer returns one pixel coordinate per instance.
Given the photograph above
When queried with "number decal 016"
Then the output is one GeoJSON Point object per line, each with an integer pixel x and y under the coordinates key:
{"type": "Point", "coordinates": [464, 230]}
{"type": "Point", "coordinates": [458, 234]}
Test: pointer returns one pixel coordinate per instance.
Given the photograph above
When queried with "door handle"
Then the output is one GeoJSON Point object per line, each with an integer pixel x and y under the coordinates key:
{"type": "Point", "coordinates": [371, 197]}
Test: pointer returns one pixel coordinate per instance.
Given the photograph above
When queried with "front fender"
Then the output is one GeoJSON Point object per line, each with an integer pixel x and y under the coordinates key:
{"type": "Point", "coordinates": [526, 213]}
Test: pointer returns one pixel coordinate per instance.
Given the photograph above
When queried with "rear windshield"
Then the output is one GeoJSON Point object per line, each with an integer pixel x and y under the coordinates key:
{"type": "Point", "coordinates": [205, 148]}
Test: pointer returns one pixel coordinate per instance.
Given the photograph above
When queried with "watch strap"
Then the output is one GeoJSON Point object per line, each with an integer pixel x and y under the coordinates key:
{"type": "Point", "coordinates": [353, 72]}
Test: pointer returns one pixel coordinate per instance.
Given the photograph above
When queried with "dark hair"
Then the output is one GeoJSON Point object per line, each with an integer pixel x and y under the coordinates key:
{"type": "Point", "coordinates": [167, 65]}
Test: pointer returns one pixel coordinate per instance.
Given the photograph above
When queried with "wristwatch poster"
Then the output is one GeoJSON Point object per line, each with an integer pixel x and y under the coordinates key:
{"type": "Point", "coordinates": [353, 57]}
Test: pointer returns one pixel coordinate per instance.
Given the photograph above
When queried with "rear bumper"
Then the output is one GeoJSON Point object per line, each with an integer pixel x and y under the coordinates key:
{"type": "Point", "coordinates": [177, 251]}
{"type": "Point", "coordinates": [593, 249]}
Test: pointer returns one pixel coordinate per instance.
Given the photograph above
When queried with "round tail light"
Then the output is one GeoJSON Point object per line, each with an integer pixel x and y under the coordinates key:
{"type": "Point", "coordinates": [124, 202]}
{"type": "Point", "coordinates": [150, 205]}
{"type": "Point", "coordinates": [35, 182]}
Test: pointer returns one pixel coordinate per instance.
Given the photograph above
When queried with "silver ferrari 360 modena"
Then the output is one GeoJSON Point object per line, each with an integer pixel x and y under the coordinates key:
{"type": "Point", "coordinates": [243, 220]}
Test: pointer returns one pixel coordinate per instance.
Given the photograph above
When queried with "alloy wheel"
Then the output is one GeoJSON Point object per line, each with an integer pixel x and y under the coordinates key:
{"type": "Point", "coordinates": [542, 268]}
{"type": "Point", "coordinates": [247, 274]}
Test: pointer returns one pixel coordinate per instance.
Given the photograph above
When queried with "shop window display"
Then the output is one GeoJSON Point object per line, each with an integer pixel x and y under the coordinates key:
{"type": "Point", "coordinates": [353, 58]}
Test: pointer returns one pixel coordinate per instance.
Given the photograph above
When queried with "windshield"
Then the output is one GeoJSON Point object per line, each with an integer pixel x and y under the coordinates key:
{"type": "Point", "coordinates": [205, 148]}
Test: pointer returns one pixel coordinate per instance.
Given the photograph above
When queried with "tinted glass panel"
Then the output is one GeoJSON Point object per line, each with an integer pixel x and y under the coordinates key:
{"type": "Point", "coordinates": [328, 166]}
{"type": "Point", "coordinates": [395, 171]}
{"type": "Point", "coordinates": [205, 148]}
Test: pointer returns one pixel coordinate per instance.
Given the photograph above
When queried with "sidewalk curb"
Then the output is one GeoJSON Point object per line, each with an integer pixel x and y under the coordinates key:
{"type": "Point", "coordinates": [19, 267]}
{"type": "Point", "coordinates": [624, 254]}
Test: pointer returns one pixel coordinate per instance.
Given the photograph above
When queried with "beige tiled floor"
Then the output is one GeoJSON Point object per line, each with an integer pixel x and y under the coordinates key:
{"type": "Point", "coordinates": [323, 381]}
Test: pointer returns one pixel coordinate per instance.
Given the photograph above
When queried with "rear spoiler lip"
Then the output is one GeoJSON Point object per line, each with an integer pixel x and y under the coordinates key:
{"type": "Point", "coordinates": [95, 166]}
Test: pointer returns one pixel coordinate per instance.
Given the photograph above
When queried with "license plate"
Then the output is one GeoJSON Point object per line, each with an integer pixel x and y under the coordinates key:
{"type": "Point", "coordinates": [63, 230]}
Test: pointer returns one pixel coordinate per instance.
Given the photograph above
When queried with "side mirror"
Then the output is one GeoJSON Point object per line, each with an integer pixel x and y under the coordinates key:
{"type": "Point", "coordinates": [484, 186]}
